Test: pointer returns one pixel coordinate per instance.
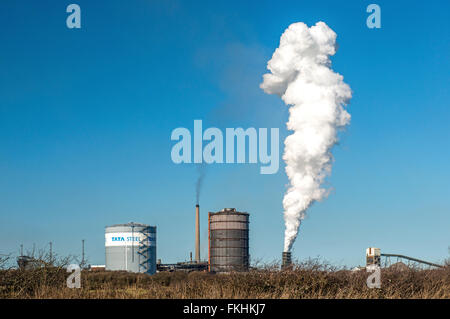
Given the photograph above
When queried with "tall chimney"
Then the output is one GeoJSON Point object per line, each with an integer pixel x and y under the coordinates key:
{"type": "Point", "coordinates": [197, 233]}
{"type": "Point", "coordinates": [286, 261]}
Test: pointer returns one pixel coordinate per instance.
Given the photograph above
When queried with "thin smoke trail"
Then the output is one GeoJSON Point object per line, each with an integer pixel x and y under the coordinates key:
{"type": "Point", "coordinates": [301, 74]}
{"type": "Point", "coordinates": [201, 170]}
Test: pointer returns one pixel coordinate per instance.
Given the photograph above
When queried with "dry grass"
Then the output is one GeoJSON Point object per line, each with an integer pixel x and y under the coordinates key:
{"type": "Point", "coordinates": [302, 282]}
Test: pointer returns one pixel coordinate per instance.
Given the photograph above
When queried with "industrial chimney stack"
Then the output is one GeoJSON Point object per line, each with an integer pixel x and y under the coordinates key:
{"type": "Point", "coordinates": [286, 261]}
{"type": "Point", "coordinates": [197, 233]}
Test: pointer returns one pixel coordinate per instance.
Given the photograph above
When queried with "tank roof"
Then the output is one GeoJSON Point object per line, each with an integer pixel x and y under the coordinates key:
{"type": "Point", "coordinates": [229, 211]}
{"type": "Point", "coordinates": [130, 224]}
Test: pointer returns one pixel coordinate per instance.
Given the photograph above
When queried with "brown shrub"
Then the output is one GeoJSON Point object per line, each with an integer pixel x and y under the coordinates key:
{"type": "Point", "coordinates": [303, 281]}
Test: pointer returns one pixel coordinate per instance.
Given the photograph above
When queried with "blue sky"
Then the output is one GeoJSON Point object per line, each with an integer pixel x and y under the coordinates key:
{"type": "Point", "coordinates": [86, 117]}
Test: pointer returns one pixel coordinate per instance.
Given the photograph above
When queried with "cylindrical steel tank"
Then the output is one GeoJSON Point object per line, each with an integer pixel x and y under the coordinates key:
{"type": "Point", "coordinates": [228, 241]}
{"type": "Point", "coordinates": [131, 247]}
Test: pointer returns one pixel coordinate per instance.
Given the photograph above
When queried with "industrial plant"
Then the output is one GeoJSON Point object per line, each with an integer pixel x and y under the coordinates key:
{"type": "Point", "coordinates": [132, 246]}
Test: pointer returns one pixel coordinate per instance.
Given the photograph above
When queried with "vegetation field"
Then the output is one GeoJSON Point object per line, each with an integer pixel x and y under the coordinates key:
{"type": "Point", "coordinates": [303, 281]}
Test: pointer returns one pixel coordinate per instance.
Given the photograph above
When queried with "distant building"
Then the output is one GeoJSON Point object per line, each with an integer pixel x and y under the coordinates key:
{"type": "Point", "coordinates": [97, 267]}
{"type": "Point", "coordinates": [28, 263]}
{"type": "Point", "coordinates": [373, 256]}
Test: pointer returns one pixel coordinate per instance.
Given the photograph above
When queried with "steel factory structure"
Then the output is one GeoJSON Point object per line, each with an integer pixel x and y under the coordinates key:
{"type": "Point", "coordinates": [228, 241]}
{"type": "Point", "coordinates": [131, 247]}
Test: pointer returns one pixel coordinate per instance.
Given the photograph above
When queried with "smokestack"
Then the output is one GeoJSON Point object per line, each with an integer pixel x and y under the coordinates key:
{"type": "Point", "coordinates": [197, 233]}
{"type": "Point", "coordinates": [286, 260]}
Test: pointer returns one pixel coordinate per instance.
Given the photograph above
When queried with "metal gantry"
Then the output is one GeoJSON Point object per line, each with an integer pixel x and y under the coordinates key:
{"type": "Point", "coordinates": [387, 260]}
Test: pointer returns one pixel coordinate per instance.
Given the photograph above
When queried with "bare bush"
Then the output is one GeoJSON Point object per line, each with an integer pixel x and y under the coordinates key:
{"type": "Point", "coordinates": [309, 279]}
{"type": "Point", "coordinates": [5, 261]}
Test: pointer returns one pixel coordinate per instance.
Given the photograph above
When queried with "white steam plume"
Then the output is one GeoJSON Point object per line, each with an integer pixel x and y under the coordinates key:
{"type": "Point", "coordinates": [301, 74]}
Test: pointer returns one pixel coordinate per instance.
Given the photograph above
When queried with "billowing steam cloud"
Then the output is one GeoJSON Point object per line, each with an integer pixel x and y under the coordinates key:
{"type": "Point", "coordinates": [301, 75]}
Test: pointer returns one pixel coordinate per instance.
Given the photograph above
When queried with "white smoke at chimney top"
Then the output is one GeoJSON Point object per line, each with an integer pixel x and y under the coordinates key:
{"type": "Point", "coordinates": [301, 74]}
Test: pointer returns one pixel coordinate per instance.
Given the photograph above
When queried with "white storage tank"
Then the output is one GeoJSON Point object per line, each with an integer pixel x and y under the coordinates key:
{"type": "Point", "coordinates": [131, 247]}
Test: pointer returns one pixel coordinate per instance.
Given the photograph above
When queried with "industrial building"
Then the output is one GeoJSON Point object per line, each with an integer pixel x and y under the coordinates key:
{"type": "Point", "coordinates": [373, 256]}
{"type": "Point", "coordinates": [228, 241]}
{"type": "Point", "coordinates": [28, 263]}
{"type": "Point", "coordinates": [131, 247]}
